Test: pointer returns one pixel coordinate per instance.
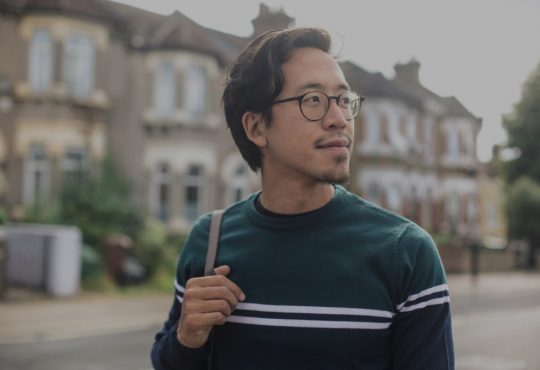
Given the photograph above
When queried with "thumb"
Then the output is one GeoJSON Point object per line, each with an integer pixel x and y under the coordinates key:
{"type": "Point", "coordinates": [222, 270]}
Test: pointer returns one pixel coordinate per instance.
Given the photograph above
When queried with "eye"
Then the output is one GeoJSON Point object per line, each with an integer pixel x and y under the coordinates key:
{"type": "Point", "coordinates": [312, 99]}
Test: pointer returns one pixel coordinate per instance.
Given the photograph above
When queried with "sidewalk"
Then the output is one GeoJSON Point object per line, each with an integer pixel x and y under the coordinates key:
{"type": "Point", "coordinates": [462, 285]}
{"type": "Point", "coordinates": [45, 319]}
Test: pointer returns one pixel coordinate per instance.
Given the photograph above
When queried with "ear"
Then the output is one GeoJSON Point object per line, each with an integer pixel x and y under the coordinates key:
{"type": "Point", "coordinates": [255, 128]}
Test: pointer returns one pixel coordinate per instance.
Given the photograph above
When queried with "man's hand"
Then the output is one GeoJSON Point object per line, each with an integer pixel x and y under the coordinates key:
{"type": "Point", "coordinates": [208, 301]}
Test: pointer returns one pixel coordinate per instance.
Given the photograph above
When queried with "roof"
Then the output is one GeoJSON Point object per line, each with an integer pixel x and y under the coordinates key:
{"type": "Point", "coordinates": [85, 8]}
{"type": "Point", "coordinates": [375, 84]}
{"type": "Point", "coordinates": [175, 31]}
{"type": "Point", "coordinates": [229, 45]}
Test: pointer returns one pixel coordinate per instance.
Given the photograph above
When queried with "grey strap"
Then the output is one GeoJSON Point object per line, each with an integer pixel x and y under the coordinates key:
{"type": "Point", "coordinates": [213, 240]}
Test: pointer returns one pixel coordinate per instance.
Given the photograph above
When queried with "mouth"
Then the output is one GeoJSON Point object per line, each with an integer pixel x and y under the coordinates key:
{"type": "Point", "coordinates": [337, 143]}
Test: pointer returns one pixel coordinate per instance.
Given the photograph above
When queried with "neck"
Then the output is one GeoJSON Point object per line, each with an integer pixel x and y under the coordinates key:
{"type": "Point", "coordinates": [290, 197]}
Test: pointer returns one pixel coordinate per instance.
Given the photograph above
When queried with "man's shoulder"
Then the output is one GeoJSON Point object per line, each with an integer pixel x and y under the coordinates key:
{"type": "Point", "coordinates": [233, 210]}
{"type": "Point", "coordinates": [374, 214]}
{"type": "Point", "coordinates": [386, 223]}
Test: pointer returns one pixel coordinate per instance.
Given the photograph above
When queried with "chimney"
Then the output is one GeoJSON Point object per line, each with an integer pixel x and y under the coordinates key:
{"type": "Point", "coordinates": [408, 72]}
{"type": "Point", "coordinates": [270, 20]}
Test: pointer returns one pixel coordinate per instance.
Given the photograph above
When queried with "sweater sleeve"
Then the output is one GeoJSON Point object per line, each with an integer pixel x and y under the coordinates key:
{"type": "Point", "coordinates": [421, 330]}
{"type": "Point", "coordinates": [167, 352]}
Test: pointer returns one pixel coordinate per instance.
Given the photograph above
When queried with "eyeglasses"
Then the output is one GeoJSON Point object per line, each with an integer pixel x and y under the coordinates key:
{"type": "Point", "coordinates": [314, 105]}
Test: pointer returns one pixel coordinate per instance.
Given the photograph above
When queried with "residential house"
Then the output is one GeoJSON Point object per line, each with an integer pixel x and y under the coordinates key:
{"type": "Point", "coordinates": [92, 78]}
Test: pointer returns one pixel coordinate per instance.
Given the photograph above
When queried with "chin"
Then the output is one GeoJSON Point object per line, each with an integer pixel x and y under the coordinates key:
{"type": "Point", "coordinates": [334, 177]}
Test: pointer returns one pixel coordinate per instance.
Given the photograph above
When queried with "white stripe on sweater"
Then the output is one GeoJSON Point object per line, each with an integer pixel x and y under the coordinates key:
{"type": "Point", "coordinates": [431, 302]}
{"type": "Point", "coordinates": [413, 297]}
{"type": "Point", "coordinates": [308, 323]}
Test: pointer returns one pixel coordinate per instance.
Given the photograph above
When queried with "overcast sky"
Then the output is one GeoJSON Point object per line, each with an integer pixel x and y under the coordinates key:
{"type": "Point", "coordinates": [480, 51]}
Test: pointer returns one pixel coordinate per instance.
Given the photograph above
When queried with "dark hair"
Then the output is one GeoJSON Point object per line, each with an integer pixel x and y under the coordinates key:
{"type": "Point", "coordinates": [256, 79]}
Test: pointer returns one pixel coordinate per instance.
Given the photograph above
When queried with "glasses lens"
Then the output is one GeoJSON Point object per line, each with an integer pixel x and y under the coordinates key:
{"type": "Point", "coordinates": [314, 105]}
{"type": "Point", "coordinates": [349, 102]}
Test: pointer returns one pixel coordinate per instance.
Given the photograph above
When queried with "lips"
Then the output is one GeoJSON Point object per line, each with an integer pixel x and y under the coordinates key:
{"type": "Point", "coordinates": [338, 142]}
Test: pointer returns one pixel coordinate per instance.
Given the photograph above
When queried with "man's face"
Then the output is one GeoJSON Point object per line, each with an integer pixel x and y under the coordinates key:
{"type": "Point", "coordinates": [309, 150]}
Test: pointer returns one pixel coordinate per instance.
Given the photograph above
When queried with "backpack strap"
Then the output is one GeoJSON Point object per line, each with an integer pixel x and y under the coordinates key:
{"type": "Point", "coordinates": [213, 241]}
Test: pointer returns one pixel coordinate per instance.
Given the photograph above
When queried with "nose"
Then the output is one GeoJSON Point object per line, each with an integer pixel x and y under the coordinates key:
{"type": "Point", "coordinates": [334, 117]}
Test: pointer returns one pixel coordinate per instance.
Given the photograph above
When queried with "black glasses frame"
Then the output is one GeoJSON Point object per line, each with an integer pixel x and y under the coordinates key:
{"type": "Point", "coordinates": [299, 98]}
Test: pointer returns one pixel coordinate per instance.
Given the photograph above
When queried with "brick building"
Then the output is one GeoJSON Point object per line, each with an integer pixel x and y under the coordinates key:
{"type": "Point", "coordinates": [88, 78]}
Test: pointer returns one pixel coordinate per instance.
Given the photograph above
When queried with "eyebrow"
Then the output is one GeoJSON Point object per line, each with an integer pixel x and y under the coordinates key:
{"type": "Point", "coordinates": [318, 86]}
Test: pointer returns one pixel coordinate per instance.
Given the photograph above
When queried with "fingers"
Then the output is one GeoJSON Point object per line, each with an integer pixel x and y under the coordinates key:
{"type": "Point", "coordinates": [222, 270]}
{"type": "Point", "coordinates": [219, 279]}
{"type": "Point", "coordinates": [211, 293]}
{"type": "Point", "coordinates": [197, 321]}
{"type": "Point", "coordinates": [221, 306]}
{"type": "Point", "coordinates": [208, 301]}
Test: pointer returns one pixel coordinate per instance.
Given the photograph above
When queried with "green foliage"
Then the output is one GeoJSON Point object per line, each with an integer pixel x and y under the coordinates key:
{"type": "Point", "coordinates": [150, 248]}
{"type": "Point", "coordinates": [523, 173]}
{"type": "Point", "coordinates": [100, 205]}
{"type": "Point", "coordinates": [92, 269]}
{"type": "Point", "coordinates": [43, 213]}
{"type": "Point", "coordinates": [157, 250]}
{"type": "Point", "coordinates": [523, 209]}
{"type": "Point", "coordinates": [523, 127]}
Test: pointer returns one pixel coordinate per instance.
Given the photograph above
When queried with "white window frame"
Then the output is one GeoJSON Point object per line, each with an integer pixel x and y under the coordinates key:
{"type": "Point", "coordinates": [394, 197]}
{"type": "Point", "coordinates": [73, 165]}
{"type": "Point", "coordinates": [238, 184]}
{"type": "Point", "coordinates": [453, 143]}
{"type": "Point", "coordinates": [40, 67]}
{"type": "Point", "coordinates": [196, 88]}
{"type": "Point", "coordinates": [36, 165]}
{"type": "Point", "coordinates": [165, 89]}
{"type": "Point", "coordinates": [79, 65]}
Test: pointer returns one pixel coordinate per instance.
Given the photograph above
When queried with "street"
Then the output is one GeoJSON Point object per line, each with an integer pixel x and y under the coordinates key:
{"type": "Point", "coordinates": [496, 326]}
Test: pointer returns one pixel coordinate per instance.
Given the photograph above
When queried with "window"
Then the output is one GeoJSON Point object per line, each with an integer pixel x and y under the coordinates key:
{"type": "Point", "coordinates": [394, 198]}
{"type": "Point", "coordinates": [194, 183]}
{"type": "Point", "coordinates": [36, 181]}
{"type": "Point", "coordinates": [453, 212]}
{"type": "Point", "coordinates": [471, 210]}
{"type": "Point", "coordinates": [162, 191]}
{"type": "Point", "coordinates": [453, 143]}
{"type": "Point", "coordinates": [238, 187]}
{"type": "Point", "coordinates": [164, 90]}
{"type": "Point", "coordinates": [196, 94]}
{"type": "Point", "coordinates": [79, 62]}
{"type": "Point", "coordinates": [428, 136]}
{"type": "Point", "coordinates": [41, 61]}
{"type": "Point", "coordinates": [74, 164]}
{"type": "Point", "coordinates": [491, 215]}
{"type": "Point", "coordinates": [74, 160]}
{"type": "Point", "coordinates": [374, 193]}
{"type": "Point", "coordinates": [385, 129]}
{"type": "Point", "coordinates": [414, 207]}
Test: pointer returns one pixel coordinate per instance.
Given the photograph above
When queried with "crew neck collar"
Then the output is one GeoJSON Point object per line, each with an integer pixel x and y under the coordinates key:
{"type": "Point", "coordinates": [297, 220]}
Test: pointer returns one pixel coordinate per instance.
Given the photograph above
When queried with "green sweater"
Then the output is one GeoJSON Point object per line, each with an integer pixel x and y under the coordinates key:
{"type": "Point", "coordinates": [348, 286]}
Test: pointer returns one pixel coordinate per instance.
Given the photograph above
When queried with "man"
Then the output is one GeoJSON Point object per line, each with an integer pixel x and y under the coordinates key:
{"type": "Point", "coordinates": [308, 276]}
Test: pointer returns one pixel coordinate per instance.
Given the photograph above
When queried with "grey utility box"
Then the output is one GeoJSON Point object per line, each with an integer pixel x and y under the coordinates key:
{"type": "Point", "coordinates": [43, 257]}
